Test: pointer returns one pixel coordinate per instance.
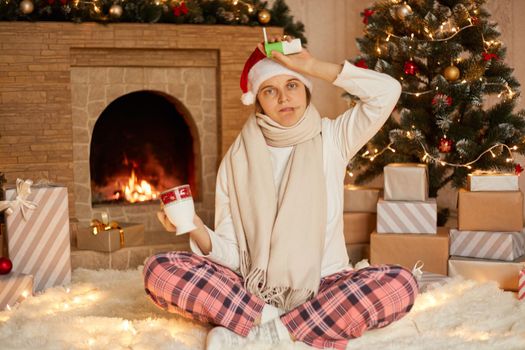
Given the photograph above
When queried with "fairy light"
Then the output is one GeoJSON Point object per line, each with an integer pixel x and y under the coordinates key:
{"type": "Point", "coordinates": [427, 157]}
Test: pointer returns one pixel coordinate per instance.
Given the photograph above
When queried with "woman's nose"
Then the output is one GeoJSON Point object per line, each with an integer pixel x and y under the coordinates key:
{"type": "Point", "coordinates": [283, 97]}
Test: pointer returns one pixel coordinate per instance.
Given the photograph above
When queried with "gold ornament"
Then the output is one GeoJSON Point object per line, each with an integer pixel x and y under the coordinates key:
{"type": "Point", "coordinates": [451, 73]}
{"type": "Point", "coordinates": [264, 16]}
{"type": "Point", "coordinates": [26, 6]}
{"type": "Point", "coordinates": [403, 10]}
{"type": "Point", "coordinates": [115, 11]}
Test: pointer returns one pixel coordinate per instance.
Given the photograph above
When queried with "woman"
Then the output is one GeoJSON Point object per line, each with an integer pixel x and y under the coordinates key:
{"type": "Point", "coordinates": [276, 267]}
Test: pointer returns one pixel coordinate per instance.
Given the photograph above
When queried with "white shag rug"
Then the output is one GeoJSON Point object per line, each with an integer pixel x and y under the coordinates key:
{"type": "Point", "coordinates": [108, 309]}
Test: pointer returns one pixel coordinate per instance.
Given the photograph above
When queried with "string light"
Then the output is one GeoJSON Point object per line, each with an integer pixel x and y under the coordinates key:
{"type": "Point", "coordinates": [455, 30]}
{"type": "Point", "coordinates": [429, 157]}
{"type": "Point", "coordinates": [377, 153]}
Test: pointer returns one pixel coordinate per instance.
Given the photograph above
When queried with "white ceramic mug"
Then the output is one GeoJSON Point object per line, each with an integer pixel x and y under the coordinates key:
{"type": "Point", "coordinates": [179, 208]}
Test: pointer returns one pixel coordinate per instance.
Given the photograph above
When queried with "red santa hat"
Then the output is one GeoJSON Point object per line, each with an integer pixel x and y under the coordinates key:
{"type": "Point", "coordinates": [259, 68]}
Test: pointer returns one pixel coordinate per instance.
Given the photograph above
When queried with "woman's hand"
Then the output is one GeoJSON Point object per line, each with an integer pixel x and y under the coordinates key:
{"type": "Point", "coordinates": [163, 218]}
{"type": "Point", "coordinates": [301, 62]}
{"type": "Point", "coordinates": [304, 63]}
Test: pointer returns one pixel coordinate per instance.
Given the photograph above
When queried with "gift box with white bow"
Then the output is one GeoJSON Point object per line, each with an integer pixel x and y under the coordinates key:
{"type": "Point", "coordinates": [37, 224]}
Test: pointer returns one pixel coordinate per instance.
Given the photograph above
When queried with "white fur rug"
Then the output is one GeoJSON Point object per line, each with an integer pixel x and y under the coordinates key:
{"type": "Point", "coordinates": [109, 310]}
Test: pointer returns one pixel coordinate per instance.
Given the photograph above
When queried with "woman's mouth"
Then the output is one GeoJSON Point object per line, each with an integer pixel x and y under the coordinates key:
{"type": "Point", "coordinates": [286, 109]}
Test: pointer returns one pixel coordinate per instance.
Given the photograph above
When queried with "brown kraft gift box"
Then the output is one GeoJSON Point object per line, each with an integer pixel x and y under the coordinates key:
{"type": "Point", "coordinates": [108, 241]}
{"type": "Point", "coordinates": [490, 211]}
{"type": "Point", "coordinates": [359, 199]}
{"type": "Point", "coordinates": [406, 249]}
{"type": "Point", "coordinates": [358, 227]}
{"type": "Point", "coordinates": [357, 252]}
{"type": "Point", "coordinates": [505, 273]}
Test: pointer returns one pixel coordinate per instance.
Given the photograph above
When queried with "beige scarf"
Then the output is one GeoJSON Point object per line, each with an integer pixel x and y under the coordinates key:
{"type": "Point", "coordinates": [280, 231]}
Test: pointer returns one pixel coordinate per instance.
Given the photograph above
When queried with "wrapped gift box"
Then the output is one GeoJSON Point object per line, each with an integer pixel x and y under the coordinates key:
{"type": "Point", "coordinates": [38, 241]}
{"type": "Point", "coordinates": [358, 252]}
{"type": "Point", "coordinates": [14, 287]}
{"type": "Point", "coordinates": [407, 249]}
{"type": "Point", "coordinates": [521, 285]}
{"type": "Point", "coordinates": [487, 245]}
{"type": "Point", "coordinates": [505, 273]}
{"type": "Point", "coordinates": [406, 182]}
{"type": "Point", "coordinates": [492, 181]}
{"type": "Point", "coordinates": [111, 240]}
{"type": "Point", "coordinates": [3, 245]}
{"type": "Point", "coordinates": [490, 211]}
{"type": "Point", "coordinates": [429, 280]}
{"type": "Point", "coordinates": [407, 216]}
{"type": "Point", "coordinates": [361, 199]}
{"type": "Point", "coordinates": [358, 227]}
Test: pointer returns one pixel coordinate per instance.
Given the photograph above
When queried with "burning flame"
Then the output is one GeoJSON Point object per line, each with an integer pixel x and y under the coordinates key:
{"type": "Point", "coordinates": [138, 192]}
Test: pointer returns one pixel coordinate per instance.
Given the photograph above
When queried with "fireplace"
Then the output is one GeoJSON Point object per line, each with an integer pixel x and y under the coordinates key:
{"type": "Point", "coordinates": [155, 127]}
{"type": "Point", "coordinates": [141, 145]}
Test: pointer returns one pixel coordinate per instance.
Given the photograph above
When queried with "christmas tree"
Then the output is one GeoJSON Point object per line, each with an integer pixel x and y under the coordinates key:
{"type": "Point", "coordinates": [456, 110]}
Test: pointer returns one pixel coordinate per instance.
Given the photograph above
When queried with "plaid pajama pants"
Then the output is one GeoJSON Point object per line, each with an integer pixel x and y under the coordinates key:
{"type": "Point", "coordinates": [348, 303]}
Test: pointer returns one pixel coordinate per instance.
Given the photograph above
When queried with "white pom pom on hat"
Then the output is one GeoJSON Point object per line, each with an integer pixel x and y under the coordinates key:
{"type": "Point", "coordinates": [257, 69]}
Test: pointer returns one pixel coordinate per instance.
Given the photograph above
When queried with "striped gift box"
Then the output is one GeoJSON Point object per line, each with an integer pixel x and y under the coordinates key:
{"type": "Point", "coordinates": [430, 280]}
{"type": "Point", "coordinates": [39, 244]}
{"type": "Point", "coordinates": [14, 287]}
{"type": "Point", "coordinates": [521, 285]}
{"type": "Point", "coordinates": [407, 216]}
{"type": "Point", "coordinates": [506, 246]}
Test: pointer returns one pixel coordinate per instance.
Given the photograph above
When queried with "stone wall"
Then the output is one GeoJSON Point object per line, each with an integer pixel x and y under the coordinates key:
{"type": "Point", "coordinates": [39, 60]}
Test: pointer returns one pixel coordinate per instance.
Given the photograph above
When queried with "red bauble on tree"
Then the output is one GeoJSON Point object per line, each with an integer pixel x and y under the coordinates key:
{"type": "Point", "coordinates": [5, 266]}
{"type": "Point", "coordinates": [518, 169]}
{"type": "Point", "coordinates": [445, 145]}
{"type": "Point", "coordinates": [410, 68]}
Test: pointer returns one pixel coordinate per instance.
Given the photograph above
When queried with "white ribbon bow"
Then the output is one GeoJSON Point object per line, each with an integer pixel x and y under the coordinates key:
{"type": "Point", "coordinates": [416, 270]}
{"type": "Point", "coordinates": [23, 189]}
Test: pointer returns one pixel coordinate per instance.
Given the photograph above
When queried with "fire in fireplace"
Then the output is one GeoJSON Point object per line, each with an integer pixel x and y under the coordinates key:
{"type": "Point", "coordinates": [141, 145]}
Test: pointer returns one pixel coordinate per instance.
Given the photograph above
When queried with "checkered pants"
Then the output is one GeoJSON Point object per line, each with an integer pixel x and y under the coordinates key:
{"type": "Point", "coordinates": [347, 304]}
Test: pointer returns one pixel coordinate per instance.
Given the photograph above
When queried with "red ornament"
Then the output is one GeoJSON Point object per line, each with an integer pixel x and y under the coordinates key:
{"type": "Point", "coordinates": [51, 2]}
{"type": "Point", "coordinates": [361, 64]}
{"type": "Point", "coordinates": [518, 169]}
{"type": "Point", "coordinates": [5, 266]}
{"type": "Point", "coordinates": [445, 145]}
{"type": "Point", "coordinates": [180, 9]}
{"type": "Point", "coordinates": [64, 2]}
{"type": "Point", "coordinates": [442, 98]}
{"type": "Point", "coordinates": [411, 68]}
{"type": "Point", "coordinates": [367, 13]}
{"type": "Point", "coordinates": [475, 20]}
{"type": "Point", "coordinates": [489, 56]}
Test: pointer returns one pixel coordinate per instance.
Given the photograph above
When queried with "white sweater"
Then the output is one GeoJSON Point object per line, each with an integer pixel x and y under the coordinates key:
{"type": "Point", "coordinates": [342, 139]}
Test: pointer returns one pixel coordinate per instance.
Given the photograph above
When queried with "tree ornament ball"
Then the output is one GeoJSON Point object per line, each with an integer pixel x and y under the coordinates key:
{"type": "Point", "coordinates": [26, 6]}
{"type": "Point", "coordinates": [115, 10]}
{"type": "Point", "coordinates": [5, 266]}
{"type": "Point", "coordinates": [264, 16]}
{"type": "Point", "coordinates": [410, 68]}
{"type": "Point", "coordinates": [403, 11]}
{"type": "Point", "coordinates": [452, 73]}
{"type": "Point", "coordinates": [445, 145]}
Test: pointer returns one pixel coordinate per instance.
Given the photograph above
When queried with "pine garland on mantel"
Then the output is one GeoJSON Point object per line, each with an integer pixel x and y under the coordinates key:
{"type": "Point", "coordinates": [224, 12]}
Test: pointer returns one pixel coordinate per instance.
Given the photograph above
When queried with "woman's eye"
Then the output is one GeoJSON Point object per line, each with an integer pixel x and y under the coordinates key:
{"type": "Point", "coordinates": [269, 92]}
{"type": "Point", "coordinates": [292, 85]}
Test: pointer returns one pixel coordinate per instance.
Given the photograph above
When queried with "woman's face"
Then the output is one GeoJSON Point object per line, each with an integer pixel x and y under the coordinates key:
{"type": "Point", "coordinates": [283, 98]}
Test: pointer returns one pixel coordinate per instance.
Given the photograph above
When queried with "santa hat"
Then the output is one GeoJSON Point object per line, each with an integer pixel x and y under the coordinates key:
{"type": "Point", "coordinates": [257, 69]}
